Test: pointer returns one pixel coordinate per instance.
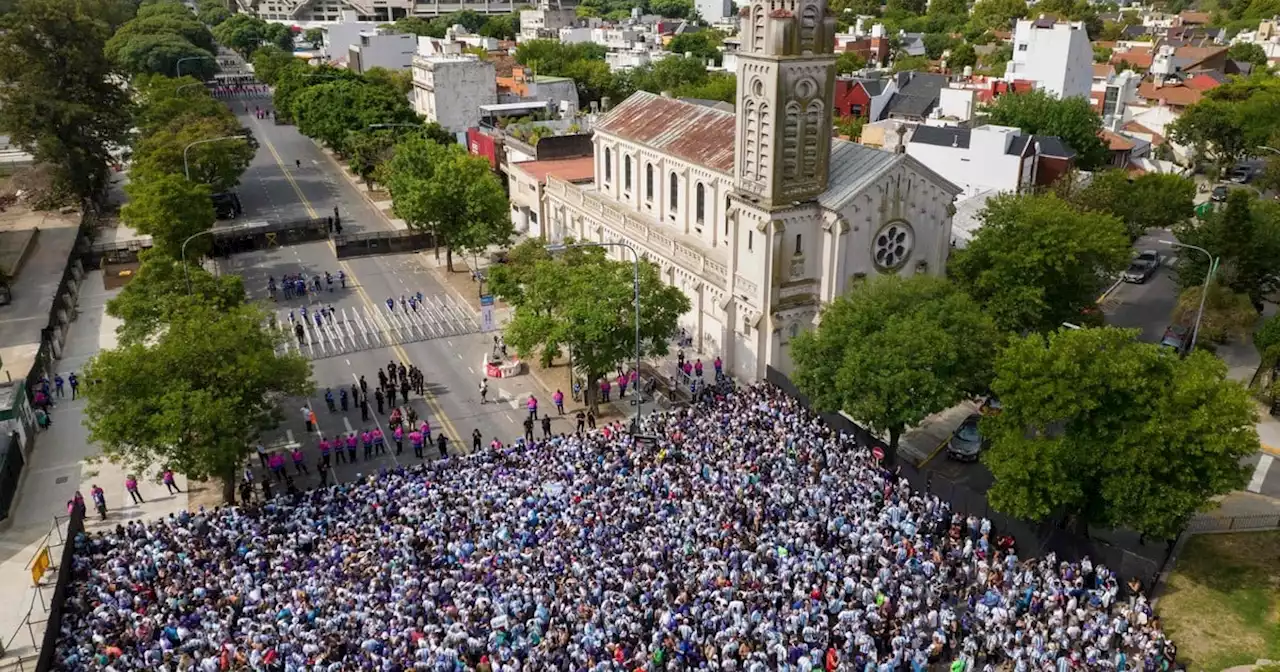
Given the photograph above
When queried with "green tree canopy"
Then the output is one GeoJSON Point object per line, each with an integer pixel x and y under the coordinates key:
{"type": "Point", "coordinates": [400, 81]}
{"type": "Point", "coordinates": [1114, 432]}
{"type": "Point", "coordinates": [1245, 236]}
{"type": "Point", "coordinates": [169, 209]}
{"type": "Point", "coordinates": [1247, 52]}
{"type": "Point", "coordinates": [331, 110]}
{"type": "Point", "coordinates": [1232, 120]}
{"type": "Point", "coordinates": [1152, 200]}
{"type": "Point", "coordinates": [1072, 120]}
{"type": "Point", "coordinates": [997, 14]}
{"type": "Point", "coordinates": [157, 295]}
{"type": "Point", "coordinates": [218, 164]}
{"type": "Point", "coordinates": [59, 99]}
{"type": "Point", "coordinates": [583, 301]}
{"type": "Point", "coordinates": [962, 56]}
{"type": "Point", "coordinates": [195, 400]}
{"type": "Point", "coordinates": [161, 54]}
{"type": "Point", "coordinates": [242, 33]}
{"type": "Point", "coordinates": [502, 26]}
{"type": "Point", "coordinates": [448, 192]}
{"type": "Point", "coordinates": [212, 14]}
{"type": "Point", "coordinates": [849, 62]}
{"type": "Point", "coordinates": [1036, 262]}
{"type": "Point", "coordinates": [314, 37]}
{"type": "Point", "coordinates": [936, 43]}
{"type": "Point", "coordinates": [270, 63]}
{"type": "Point", "coordinates": [161, 104]}
{"type": "Point", "coordinates": [895, 350]}
{"type": "Point", "coordinates": [703, 44]}
{"type": "Point", "coordinates": [672, 9]}
{"type": "Point", "coordinates": [181, 24]}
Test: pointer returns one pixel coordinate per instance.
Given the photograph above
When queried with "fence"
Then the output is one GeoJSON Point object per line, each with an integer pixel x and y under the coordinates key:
{"type": "Point", "coordinates": [1125, 557]}
{"type": "Point", "coordinates": [36, 619]}
{"type": "Point", "coordinates": [53, 625]}
{"type": "Point", "coordinates": [380, 242]}
{"type": "Point", "coordinates": [1202, 524]}
{"type": "Point", "coordinates": [11, 463]}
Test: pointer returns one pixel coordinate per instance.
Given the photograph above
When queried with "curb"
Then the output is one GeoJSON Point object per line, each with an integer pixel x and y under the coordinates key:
{"type": "Point", "coordinates": [1110, 289]}
{"type": "Point", "coordinates": [1270, 450]}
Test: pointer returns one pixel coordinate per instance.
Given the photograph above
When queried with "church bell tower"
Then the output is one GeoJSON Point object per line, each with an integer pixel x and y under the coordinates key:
{"type": "Point", "coordinates": [786, 85]}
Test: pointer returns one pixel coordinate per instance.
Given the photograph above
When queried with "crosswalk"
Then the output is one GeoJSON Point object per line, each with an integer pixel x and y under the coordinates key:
{"type": "Point", "coordinates": [340, 331]}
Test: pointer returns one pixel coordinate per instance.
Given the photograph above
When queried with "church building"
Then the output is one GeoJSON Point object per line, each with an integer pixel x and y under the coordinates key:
{"type": "Point", "coordinates": [760, 216]}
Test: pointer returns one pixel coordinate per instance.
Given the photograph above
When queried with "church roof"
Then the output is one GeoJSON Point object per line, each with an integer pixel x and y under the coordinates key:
{"type": "Point", "coordinates": [696, 133]}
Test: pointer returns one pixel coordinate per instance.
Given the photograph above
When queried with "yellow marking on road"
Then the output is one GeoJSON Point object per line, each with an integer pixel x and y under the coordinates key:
{"type": "Point", "coordinates": [1270, 450]}
{"type": "Point", "coordinates": [459, 439]}
{"type": "Point", "coordinates": [933, 454]}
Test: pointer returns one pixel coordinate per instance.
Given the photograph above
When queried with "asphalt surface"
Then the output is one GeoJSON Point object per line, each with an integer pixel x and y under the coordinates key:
{"type": "Point", "coordinates": [1265, 475]}
{"type": "Point", "coordinates": [1147, 306]}
{"type": "Point", "coordinates": [291, 178]}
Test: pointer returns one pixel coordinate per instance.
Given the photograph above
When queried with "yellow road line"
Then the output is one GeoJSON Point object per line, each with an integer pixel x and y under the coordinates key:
{"type": "Point", "coordinates": [1270, 450]}
{"type": "Point", "coordinates": [934, 454]}
{"type": "Point", "coordinates": [460, 441]}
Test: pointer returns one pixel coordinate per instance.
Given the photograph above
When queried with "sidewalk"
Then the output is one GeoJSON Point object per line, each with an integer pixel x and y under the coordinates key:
{"type": "Point", "coordinates": [63, 462]}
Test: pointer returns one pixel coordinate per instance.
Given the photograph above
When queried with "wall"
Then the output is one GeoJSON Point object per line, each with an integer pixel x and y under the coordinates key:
{"type": "Point", "coordinates": [450, 90]}
{"type": "Point", "coordinates": [482, 144]}
{"type": "Point", "coordinates": [712, 11]}
{"type": "Point", "coordinates": [391, 51]}
{"type": "Point", "coordinates": [968, 169]}
{"type": "Point", "coordinates": [1058, 59]}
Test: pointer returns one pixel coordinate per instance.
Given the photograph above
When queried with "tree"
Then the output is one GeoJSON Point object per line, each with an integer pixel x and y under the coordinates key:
{"type": "Point", "coordinates": [58, 99]}
{"type": "Point", "coordinates": [849, 62]}
{"type": "Point", "coordinates": [453, 195]}
{"type": "Point", "coordinates": [1245, 237]}
{"type": "Point", "coordinates": [271, 62]}
{"type": "Point", "coordinates": [242, 32]}
{"type": "Point", "coordinates": [170, 209]}
{"type": "Point", "coordinates": [935, 44]}
{"type": "Point", "coordinates": [1213, 130]}
{"type": "Point", "coordinates": [160, 103]}
{"type": "Point", "coordinates": [1248, 52]}
{"type": "Point", "coordinates": [314, 37]}
{"type": "Point", "coordinates": [703, 44]}
{"type": "Point", "coordinates": [949, 7]}
{"type": "Point", "coordinates": [400, 81]}
{"type": "Point", "coordinates": [1102, 54]}
{"type": "Point", "coordinates": [719, 86]}
{"type": "Point", "coordinates": [1071, 119]}
{"type": "Point", "coordinates": [218, 164]}
{"type": "Point", "coordinates": [910, 64]}
{"type": "Point", "coordinates": [672, 9]}
{"type": "Point", "coordinates": [1113, 432]}
{"type": "Point", "coordinates": [1227, 314]}
{"type": "Point", "coordinates": [212, 15]}
{"type": "Point", "coordinates": [279, 35]}
{"type": "Point", "coordinates": [1267, 340]}
{"type": "Point", "coordinates": [962, 56]}
{"type": "Point", "coordinates": [150, 22]}
{"type": "Point", "coordinates": [157, 294]}
{"type": "Point", "coordinates": [501, 27]}
{"type": "Point", "coordinates": [196, 399]}
{"type": "Point", "coordinates": [1151, 200]}
{"type": "Point", "coordinates": [997, 14]}
{"type": "Point", "coordinates": [330, 111]}
{"type": "Point", "coordinates": [670, 74]}
{"type": "Point", "coordinates": [584, 302]}
{"type": "Point", "coordinates": [895, 350]}
{"type": "Point", "coordinates": [161, 54]}
{"type": "Point", "coordinates": [850, 127]}
{"type": "Point", "coordinates": [1036, 262]}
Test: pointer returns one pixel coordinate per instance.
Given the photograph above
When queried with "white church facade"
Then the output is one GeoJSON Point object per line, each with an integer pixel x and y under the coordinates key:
{"type": "Point", "coordinates": [760, 217]}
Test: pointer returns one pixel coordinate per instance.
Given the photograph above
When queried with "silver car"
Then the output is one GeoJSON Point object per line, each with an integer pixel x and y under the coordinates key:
{"type": "Point", "coordinates": [966, 442]}
{"type": "Point", "coordinates": [1143, 267]}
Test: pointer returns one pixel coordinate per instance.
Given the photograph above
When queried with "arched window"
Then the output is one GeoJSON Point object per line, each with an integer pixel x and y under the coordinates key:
{"type": "Point", "coordinates": [699, 203]}
{"type": "Point", "coordinates": [626, 173]}
{"type": "Point", "coordinates": [674, 198]}
{"type": "Point", "coordinates": [726, 216]}
{"type": "Point", "coordinates": [648, 181]}
{"type": "Point", "coordinates": [608, 164]}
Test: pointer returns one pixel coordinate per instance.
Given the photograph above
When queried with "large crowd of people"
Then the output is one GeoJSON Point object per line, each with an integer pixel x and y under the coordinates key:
{"type": "Point", "coordinates": [750, 538]}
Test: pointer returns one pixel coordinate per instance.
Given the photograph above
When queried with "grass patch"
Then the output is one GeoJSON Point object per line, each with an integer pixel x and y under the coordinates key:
{"type": "Point", "coordinates": [1222, 603]}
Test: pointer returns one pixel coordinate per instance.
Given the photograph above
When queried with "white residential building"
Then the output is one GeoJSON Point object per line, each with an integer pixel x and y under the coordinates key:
{"type": "Point", "coordinates": [714, 11]}
{"type": "Point", "coordinates": [1056, 56]}
{"type": "Point", "coordinates": [545, 21]}
{"type": "Point", "coordinates": [759, 216]}
{"type": "Point", "coordinates": [382, 49]}
{"type": "Point", "coordinates": [449, 89]}
{"type": "Point", "coordinates": [985, 158]}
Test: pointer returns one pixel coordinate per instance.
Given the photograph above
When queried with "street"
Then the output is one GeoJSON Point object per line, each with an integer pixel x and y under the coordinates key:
{"type": "Point", "coordinates": [1147, 306]}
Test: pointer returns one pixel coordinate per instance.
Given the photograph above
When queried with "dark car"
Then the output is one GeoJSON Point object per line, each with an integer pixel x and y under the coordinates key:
{"type": "Point", "coordinates": [226, 205]}
{"type": "Point", "coordinates": [966, 443]}
{"type": "Point", "coordinates": [1240, 174]}
{"type": "Point", "coordinates": [1143, 267]}
{"type": "Point", "coordinates": [1177, 338]}
{"type": "Point", "coordinates": [1219, 193]}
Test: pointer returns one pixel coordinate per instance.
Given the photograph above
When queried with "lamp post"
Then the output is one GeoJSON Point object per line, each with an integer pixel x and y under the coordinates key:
{"type": "Point", "coordinates": [178, 66]}
{"type": "Point", "coordinates": [371, 127]}
{"type": "Point", "coordinates": [186, 275]}
{"type": "Point", "coordinates": [635, 286]}
{"type": "Point", "coordinates": [1213, 267]}
{"type": "Point", "coordinates": [186, 167]}
{"type": "Point", "coordinates": [186, 86]}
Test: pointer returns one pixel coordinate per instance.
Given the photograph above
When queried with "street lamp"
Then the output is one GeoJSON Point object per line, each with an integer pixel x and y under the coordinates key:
{"type": "Point", "coordinates": [1069, 325]}
{"type": "Point", "coordinates": [186, 167]}
{"type": "Point", "coordinates": [1213, 266]}
{"type": "Point", "coordinates": [186, 86]}
{"type": "Point", "coordinates": [178, 66]}
{"type": "Point", "coordinates": [635, 285]}
{"type": "Point", "coordinates": [371, 127]}
{"type": "Point", "coordinates": [185, 273]}
{"type": "Point", "coordinates": [1273, 150]}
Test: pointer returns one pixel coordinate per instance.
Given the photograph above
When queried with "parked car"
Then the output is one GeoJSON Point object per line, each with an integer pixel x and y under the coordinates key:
{"type": "Point", "coordinates": [1143, 267]}
{"type": "Point", "coordinates": [226, 205]}
{"type": "Point", "coordinates": [991, 406]}
{"type": "Point", "coordinates": [1177, 338]}
{"type": "Point", "coordinates": [1219, 193]}
{"type": "Point", "coordinates": [966, 443]}
{"type": "Point", "coordinates": [1240, 174]}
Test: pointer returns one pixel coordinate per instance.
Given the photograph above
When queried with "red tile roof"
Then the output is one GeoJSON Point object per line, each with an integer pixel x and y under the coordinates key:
{"type": "Point", "coordinates": [579, 169]}
{"type": "Point", "coordinates": [1135, 127]}
{"type": "Point", "coordinates": [1175, 95]}
{"type": "Point", "coordinates": [1103, 69]}
{"type": "Point", "coordinates": [1140, 58]}
{"type": "Point", "coordinates": [1201, 83]}
{"type": "Point", "coordinates": [696, 133]}
{"type": "Point", "coordinates": [1117, 142]}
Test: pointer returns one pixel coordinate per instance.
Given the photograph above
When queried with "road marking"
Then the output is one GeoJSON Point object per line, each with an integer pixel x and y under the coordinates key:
{"type": "Point", "coordinates": [432, 402]}
{"type": "Point", "coordinates": [509, 418]}
{"type": "Point", "coordinates": [288, 435]}
{"type": "Point", "coordinates": [934, 454]}
{"type": "Point", "coordinates": [348, 363]}
{"type": "Point", "coordinates": [1260, 473]}
{"type": "Point", "coordinates": [471, 369]}
{"type": "Point", "coordinates": [347, 423]}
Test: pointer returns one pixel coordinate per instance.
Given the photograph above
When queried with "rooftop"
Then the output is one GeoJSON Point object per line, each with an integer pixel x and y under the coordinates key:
{"type": "Point", "coordinates": [695, 133]}
{"type": "Point", "coordinates": [579, 169]}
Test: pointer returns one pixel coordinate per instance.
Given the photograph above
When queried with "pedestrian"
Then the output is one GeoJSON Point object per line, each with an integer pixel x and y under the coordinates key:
{"type": "Point", "coordinates": [605, 387]}
{"type": "Point", "coordinates": [342, 399]}
{"type": "Point", "coordinates": [299, 462]}
{"type": "Point", "coordinates": [442, 443]}
{"type": "Point", "coordinates": [532, 405]}
{"type": "Point", "coordinates": [591, 419]}
{"type": "Point", "coordinates": [366, 439]}
{"type": "Point", "coordinates": [558, 398]}
{"type": "Point", "coordinates": [475, 440]}
{"type": "Point", "coordinates": [622, 386]}
{"type": "Point", "coordinates": [131, 486]}
{"type": "Point", "coordinates": [99, 500]}
{"type": "Point", "coordinates": [75, 384]}
{"type": "Point", "coordinates": [277, 466]}
{"type": "Point", "coordinates": [364, 409]}
{"type": "Point", "coordinates": [697, 368]}
{"type": "Point", "coordinates": [324, 452]}
{"type": "Point", "coordinates": [415, 438]}
{"type": "Point", "coordinates": [351, 448]}
{"type": "Point", "coordinates": [528, 429]}
{"type": "Point", "coordinates": [312, 420]}
{"type": "Point", "coordinates": [398, 435]}
{"type": "Point", "coordinates": [170, 482]}
{"type": "Point", "coordinates": [77, 504]}
{"type": "Point", "coordinates": [323, 469]}
{"type": "Point", "coordinates": [306, 417]}
{"type": "Point", "coordinates": [364, 387]}
{"type": "Point", "coordinates": [581, 419]}
{"type": "Point", "coordinates": [380, 398]}
{"type": "Point", "coordinates": [355, 394]}
{"type": "Point", "coordinates": [719, 366]}
{"type": "Point", "coordinates": [425, 428]}
{"type": "Point", "coordinates": [246, 492]}
{"type": "Point", "coordinates": [379, 442]}
{"type": "Point", "coordinates": [484, 390]}
{"type": "Point", "coordinates": [546, 426]}
{"type": "Point", "coordinates": [57, 385]}
{"type": "Point", "coordinates": [404, 390]}
{"type": "Point", "coordinates": [382, 379]}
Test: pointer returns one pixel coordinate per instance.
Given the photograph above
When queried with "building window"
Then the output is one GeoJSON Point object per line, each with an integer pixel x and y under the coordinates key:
{"type": "Point", "coordinates": [700, 203]}
{"type": "Point", "coordinates": [626, 173]}
{"type": "Point", "coordinates": [648, 181]}
{"type": "Point", "coordinates": [674, 197]}
{"type": "Point", "coordinates": [1022, 47]}
{"type": "Point", "coordinates": [749, 241]}
{"type": "Point", "coordinates": [798, 248]}
{"type": "Point", "coordinates": [608, 164]}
